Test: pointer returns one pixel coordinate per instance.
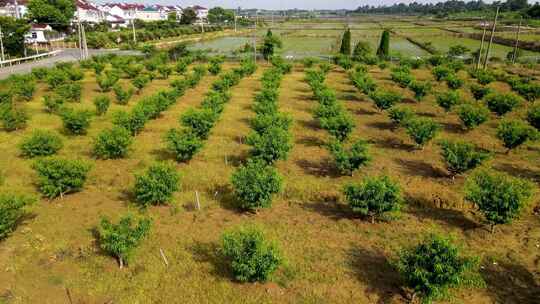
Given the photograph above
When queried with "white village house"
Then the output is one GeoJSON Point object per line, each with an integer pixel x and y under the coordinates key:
{"type": "Point", "coordinates": [88, 12]}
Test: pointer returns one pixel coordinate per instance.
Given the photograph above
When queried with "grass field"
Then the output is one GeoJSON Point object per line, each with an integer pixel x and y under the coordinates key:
{"type": "Point", "coordinates": [331, 256]}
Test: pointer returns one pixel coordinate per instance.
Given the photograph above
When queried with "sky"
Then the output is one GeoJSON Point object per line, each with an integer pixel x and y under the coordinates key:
{"type": "Point", "coordinates": [275, 4]}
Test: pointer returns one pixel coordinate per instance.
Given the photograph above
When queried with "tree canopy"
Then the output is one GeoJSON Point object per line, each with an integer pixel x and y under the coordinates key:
{"type": "Point", "coordinates": [56, 13]}
{"type": "Point", "coordinates": [189, 16]}
{"type": "Point", "coordinates": [14, 31]}
{"type": "Point", "coordinates": [220, 15]}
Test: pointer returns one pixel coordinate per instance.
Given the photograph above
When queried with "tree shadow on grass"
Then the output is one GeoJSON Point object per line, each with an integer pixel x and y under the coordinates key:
{"type": "Point", "coordinates": [323, 168]}
{"type": "Point", "coordinates": [450, 217]}
{"type": "Point", "coordinates": [161, 154]}
{"type": "Point", "coordinates": [330, 209]}
{"type": "Point", "coordinates": [309, 124]}
{"type": "Point", "coordinates": [375, 271]}
{"type": "Point", "coordinates": [365, 112]}
{"type": "Point", "coordinates": [509, 284]}
{"type": "Point", "coordinates": [426, 114]}
{"type": "Point", "coordinates": [209, 253]}
{"type": "Point", "coordinates": [310, 141]}
{"type": "Point", "coordinates": [21, 221]}
{"type": "Point", "coordinates": [421, 168]}
{"type": "Point", "coordinates": [350, 97]}
{"type": "Point", "coordinates": [224, 194]}
{"type": "Point", "coordinates": [453, 127]}
{"type": "Point", "coordinates": [392, 143]}
{"type": "Point", "coordinates": [381, 125]}
{"type": "Point", "coordinates": [518, 171]}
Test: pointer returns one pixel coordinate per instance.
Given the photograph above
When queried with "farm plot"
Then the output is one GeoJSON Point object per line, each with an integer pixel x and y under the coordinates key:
{"type": "Point", "coordinates": [54, 255]}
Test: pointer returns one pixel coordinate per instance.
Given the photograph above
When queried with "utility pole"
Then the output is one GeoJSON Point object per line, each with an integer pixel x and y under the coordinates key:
{"type": "Point", "coordinates": [235, 29]}
{"type": "Point", "coordinates": [491, 38]}
{"type": "Point", "coordinates": [481, 47]}
{"type": "Point", "coordinates": [85, 45]}
{"type": "Point", "coordinates": [79, 31]}
{"type": "Point", "coordinates": [17, 13]}
{"type": "Point", "coordinates": [2, 46]}
{"type": "Point", "coordinates": [133, 29]}
{"type": "Point", "coordinates": [517, 41]}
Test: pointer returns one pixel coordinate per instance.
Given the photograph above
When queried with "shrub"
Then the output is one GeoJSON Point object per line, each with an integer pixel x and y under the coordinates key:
{"type": "Point", "coordinates": [434, 266]}
{"type": "Point", "coordinates": [501, 104]}
{"type": "Point", "coordinates": [107, 80]}
{"type": "Point", "coordinates": [479, 91]}
{"type": "Point", "coordinates": [309, 62]}
{"type": "Point", "coordinates": [272, 145]}
{"type": "Point", "coordinates": [200, 122]}
{"type": "Point", "coordinates": [349, 160]}
{"type": "Point", "coordinates": [76, 122]}
{"type": "Point", "coordinates": [461, 156]}
{"type": "Point", "coordinates": [59, 176]}
{"type": "Point", "coordinates": [156, 185]}
{"type": "Point", "coordinates": [181, 67]}
{"type": "Point", "coordinates": [339, 126]}
{"type": "Point", "coordinates": [112, 143]}
{"type": "Point", "coordinates": [183, 143]}
{"type": "Point", "coordinates": [441, 72]}
{"type": "Point", "coordinates": [499, 196]}
{"type": "Point", "coordinates": [102, 104]}
{"type": "Point", "coordinates": [454, 82]}
{"type": "Point", "coordinates": [6, 97]}
{"type": "Point", "coordinates": [514, 133]}
{"type": "Point", "coordinates": [422, 130]}
{"type": "Point", "coordinates": [119, 240]}
{"type": "Point", "coordinates": [140, 82]}
{"type": "Point", "coordinates": [56, 77]}
{"type": "Point", "coordinates": [164, 71]}
{"type": "Point", "coordinates": [420, 89]}
{"type": "Point", "coordinates": [533, 116]}
{"type": "Point", "coordinates": [448, 99]}
{"type": "Point", "coordinates": [530, 90]}
{"type": "Point", "coordinates": [254, 185]}
{"type": "Point", "coordinates": [374, 197]}
{"type": "Point", "coordinates": [12, 210]}
{"type": "Point", "coordinates": [53, 103]}
{"type": "Point", "coordinates": [401, 115]}
{"type": "Point", "coordinates": [41, 143]}
{"type": "Point", "coordinates": [403, 78]}
{"type": "Point", "coordinates": [40, 73]}
{"type": "Point", "coordinates": [250, 256]}
{"type": "Point", "coordinates": [133, 122]}
{"type": "Point", "coordinates": [472, 115]}
{"type": "Point", "coordinates": [98, 67]}
{"type": "Point", "coordinates": [70, 92]}
{"type": "Point", "coordinates": [484, 77]}
{"type": "Point", "coordinates": [13, 118]}
{"type": "Point", "coordinates": [132, 70]}
{"type": "Point", "coordinates": [215, 65]}
{"type": "Point", "coordinates": [384, 99]}
{"type": "Point", "coordinates": [263, 122]}
{"type": "Point", "coordinates": [24, 87]}
{"type": "Point", "coordinates": [122, 96]}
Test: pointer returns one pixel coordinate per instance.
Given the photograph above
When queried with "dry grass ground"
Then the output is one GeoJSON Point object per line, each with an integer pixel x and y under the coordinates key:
{"type": "Point", "coordinates": [331, 256]}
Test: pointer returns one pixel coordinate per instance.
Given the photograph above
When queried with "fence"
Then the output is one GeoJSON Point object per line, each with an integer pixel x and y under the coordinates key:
{"type": "Point", "coordinates": [33, 57]}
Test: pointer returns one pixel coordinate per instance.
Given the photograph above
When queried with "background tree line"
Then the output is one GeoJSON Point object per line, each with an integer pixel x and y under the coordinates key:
{"type": "Point", "coordinates": [454, 6]}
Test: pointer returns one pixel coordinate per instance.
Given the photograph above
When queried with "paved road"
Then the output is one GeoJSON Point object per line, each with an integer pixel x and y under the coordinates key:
{"type": "Point", "coordinates": [65, 55]}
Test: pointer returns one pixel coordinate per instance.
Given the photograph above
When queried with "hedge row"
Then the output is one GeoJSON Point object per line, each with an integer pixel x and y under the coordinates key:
{"type": "Point", "coordinates": [257, 181]}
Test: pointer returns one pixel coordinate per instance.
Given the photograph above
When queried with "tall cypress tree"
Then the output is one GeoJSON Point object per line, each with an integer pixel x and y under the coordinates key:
{"type": "Point", "coordinates": [346, 43]}
{"type": "Point", "coordinates": [384, 47]}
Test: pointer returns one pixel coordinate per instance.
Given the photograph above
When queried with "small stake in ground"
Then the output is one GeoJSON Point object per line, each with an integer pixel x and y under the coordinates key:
{"type": "Point", "coordinates": [198, 202]}
{"type": "Point", "coordinates": [163, 257]}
